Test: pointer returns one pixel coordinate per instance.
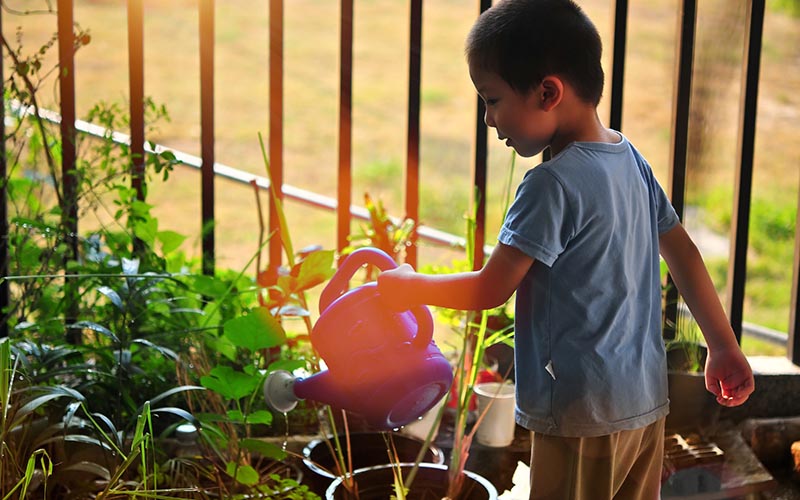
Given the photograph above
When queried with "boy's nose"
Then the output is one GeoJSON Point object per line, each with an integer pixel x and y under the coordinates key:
{"type": "Point", "coordinates": [488, 119]}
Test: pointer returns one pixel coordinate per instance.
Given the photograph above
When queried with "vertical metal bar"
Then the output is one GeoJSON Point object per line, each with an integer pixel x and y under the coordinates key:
{"type": "Point", "coordinates": [206, 17]}
{"type": "Point", "coordinates": [344, 172]}
{"type": "Point", "coordinates": [275, 126]}
{"type": "Point", "coordinates": [479, 170]}
{"type": "Point", "coordinates": [793, 343]}
{"type": "Point", "coordinates": [618, 65]}
{"type": "Point", "coordinates": [737, 266]}
{"type": "Point", "coordinates": [687, 20]}
{"type": "Point", "coordinates": [412, 144]}
{"type": "Point", "coordinates": [136, 88]}
{"type": "Point", "coordinates": [4, 288]}
{"type": "Point", "coordinates": [69, 215]}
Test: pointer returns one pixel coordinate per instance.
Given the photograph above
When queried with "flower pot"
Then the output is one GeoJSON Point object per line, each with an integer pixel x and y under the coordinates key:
{"type": "Point", "coordinates": [497, 400]}
{"type": "Point", "coordinates": [369, 449]}
{"type": "Point", "coordinates": [691, 406]}
{"type": "Point", "coordinates": [376, 483]}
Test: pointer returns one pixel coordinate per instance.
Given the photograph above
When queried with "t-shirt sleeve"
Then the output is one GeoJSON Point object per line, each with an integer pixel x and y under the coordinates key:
{"type": "Point", "coordinates": [539, 222]}
{"type": "Point", "coordinates": [666, 217]}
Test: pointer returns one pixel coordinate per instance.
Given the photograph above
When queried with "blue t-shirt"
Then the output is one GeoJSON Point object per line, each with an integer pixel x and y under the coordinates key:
{"type": "Point", "coordinates": [589, 356]}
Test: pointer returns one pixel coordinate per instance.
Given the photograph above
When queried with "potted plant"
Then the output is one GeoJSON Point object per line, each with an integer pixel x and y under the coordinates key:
{"type": "Point", "coordinates": [692, 407]}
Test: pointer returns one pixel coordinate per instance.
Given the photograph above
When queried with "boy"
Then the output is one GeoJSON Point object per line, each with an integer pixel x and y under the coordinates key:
{"type": "Point", "coordinates": [580, 246]}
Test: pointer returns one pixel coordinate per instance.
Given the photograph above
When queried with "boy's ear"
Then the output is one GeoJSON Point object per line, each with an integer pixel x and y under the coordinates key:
{"type": "Point", "coordinates": [551, 92]}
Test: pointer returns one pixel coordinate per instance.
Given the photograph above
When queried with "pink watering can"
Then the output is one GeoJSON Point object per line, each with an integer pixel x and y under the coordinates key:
{"type": "Point", "coordinates": [382, 364]}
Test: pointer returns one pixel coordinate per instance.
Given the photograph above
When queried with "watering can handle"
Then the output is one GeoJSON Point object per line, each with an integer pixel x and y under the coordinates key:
{"type": "Point", "coordinates": [380, 259]}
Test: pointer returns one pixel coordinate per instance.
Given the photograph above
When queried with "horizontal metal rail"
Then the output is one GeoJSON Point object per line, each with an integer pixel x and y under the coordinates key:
{"type": "Point", "coordinates": [226, 172]}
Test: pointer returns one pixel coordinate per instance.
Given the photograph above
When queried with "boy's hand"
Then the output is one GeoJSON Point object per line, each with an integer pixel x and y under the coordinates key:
{"type": "Point", "coordinates": [729, 376]}
{"type": "Point", "coordinates": [393, 288]}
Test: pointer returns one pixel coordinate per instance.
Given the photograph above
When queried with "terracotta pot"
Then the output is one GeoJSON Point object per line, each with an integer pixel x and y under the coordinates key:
{"type": "Point", "coordinates": [376, 483]}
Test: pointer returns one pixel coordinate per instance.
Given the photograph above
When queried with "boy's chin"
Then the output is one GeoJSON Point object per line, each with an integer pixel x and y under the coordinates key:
{"type": "Point", "coordinates": [528, 153]}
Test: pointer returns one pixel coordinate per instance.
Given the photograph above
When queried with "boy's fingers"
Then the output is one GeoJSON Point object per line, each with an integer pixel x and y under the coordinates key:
{"type": "Point", "coordinates": [734, 392]}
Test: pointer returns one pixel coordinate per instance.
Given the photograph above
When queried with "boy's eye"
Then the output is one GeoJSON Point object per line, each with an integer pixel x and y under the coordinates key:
{"type": "Point", "coordinates": [490, 102]}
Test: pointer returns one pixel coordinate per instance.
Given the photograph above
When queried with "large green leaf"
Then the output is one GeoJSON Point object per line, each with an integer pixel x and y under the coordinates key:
{"type": "Point", "coordinates": [316, 268]}
{"type": "Point", "coordinates": [209, 285]}
{"type": "Point", "coordinates": [244, 474]}
{"type": "Point", "coordinates": [257, 330]}
{"type": "Point", "coordinates": [229, 383]}
{"type": "Point", "coordinates": [263, 448]}
{"type": "Point", "coordinates": [146, 230]}
{"type": "Point", "coordinates": [260, 417]}
{"type": "Point", "coordinates": [170, 240]}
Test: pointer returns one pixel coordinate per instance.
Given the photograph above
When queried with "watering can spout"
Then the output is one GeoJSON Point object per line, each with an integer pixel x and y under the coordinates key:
{"type": "Point", "coordinates": [282, 390]}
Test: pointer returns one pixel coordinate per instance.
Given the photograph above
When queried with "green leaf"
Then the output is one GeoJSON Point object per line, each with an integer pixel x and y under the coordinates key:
{"type": "Point", "coordinates": [170, 240]}
{"type": "Point", "coordinates": [263, 448]}
{"type": "Point", "coordinates": [244, 474]}
{"type": "Point", "coordinates": [229, 383]}
{"type": "Point", "coordinates": [35, 403]}
{"type": "Point", "coordinates": [260, 417]}
{"type": "Point", "coordinates": [289, 365]}
{"type": "Point", "coordinates": [236, 416]}
{"type": "Point", "coordinates": [175, 390]}
{"type": "Point", "coordinates": [146, 231]}
{"type": "Point", "coordinates": [257, 330]}
{"type": "Point", "coordinates": [223, 346]}
{"type": "Point", "coordinates": [90, 325]}
{"type": "Point", "coordinates": [209, 286]}
{"type": "Point", "coordinates": [112, 295]}
{"type": "Point", "coordinates": [166, 352]}
{"type": "Point", "coordinates": [316, 268]}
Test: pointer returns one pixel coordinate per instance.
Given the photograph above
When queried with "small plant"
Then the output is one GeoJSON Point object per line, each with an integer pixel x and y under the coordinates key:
{"type": "Point", "coordinates": [683, 340]}
{"type": "Point", "coordinates": [382, 232]}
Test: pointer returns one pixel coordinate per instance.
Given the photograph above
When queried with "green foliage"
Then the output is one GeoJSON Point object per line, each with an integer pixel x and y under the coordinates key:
{"type": "Point", "coordinates": [383, 232]}
{"type": "Point", "coordinates": [791, 7]}
{"type": "Point", "coordinates": [105, 326]}
{"type": "Point", "coordinates": [771, 248]}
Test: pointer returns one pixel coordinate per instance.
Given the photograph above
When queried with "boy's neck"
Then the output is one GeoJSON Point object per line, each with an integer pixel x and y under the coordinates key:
{"type": "Point", "coordinates": [579, 123]}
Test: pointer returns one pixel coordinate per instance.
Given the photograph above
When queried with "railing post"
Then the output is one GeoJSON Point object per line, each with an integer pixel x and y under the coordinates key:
{"type": "Point", "coordinates": [737, 266]}
{"type": "Point", "coordinates": [4, 288]}
{"type": "Point", "coordinates": [275, 128]}
{"type": "Point", "coordinates": [206, 17]}
{"type": "Point", "coordinates": [793, 343]}
{"type": "Point", "coordinates": [69, 217]}
{"type": "Point", "coordinates": [687, 20]}
{"type": "Point", "coordinates": [344, 172]}
{"type": "Point", "coordinates": [618, 65]}
{"type": "Point", "coordinates": [479, 170]}
{"type": "Point", "coordinates": [412, 144]}
{"type": "Point", "coordinates": [136, 89]}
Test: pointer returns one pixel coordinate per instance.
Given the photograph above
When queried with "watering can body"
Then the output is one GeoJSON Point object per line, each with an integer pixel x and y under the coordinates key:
{"type": "Point", "coordinates": [381, 364]}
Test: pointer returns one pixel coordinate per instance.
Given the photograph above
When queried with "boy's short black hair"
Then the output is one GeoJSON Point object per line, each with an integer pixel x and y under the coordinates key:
{"type": "Point", "coordinates": [525, 40]}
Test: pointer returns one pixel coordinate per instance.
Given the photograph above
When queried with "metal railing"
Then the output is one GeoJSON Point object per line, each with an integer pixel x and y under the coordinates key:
{"type": "Point", "coordinates": [209, 168]}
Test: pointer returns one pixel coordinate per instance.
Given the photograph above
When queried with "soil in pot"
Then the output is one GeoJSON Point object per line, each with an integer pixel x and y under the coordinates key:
{"type": "Point", "coordinates": [369, 449]}
{"type": "Point", "coordinates": [376, 483]}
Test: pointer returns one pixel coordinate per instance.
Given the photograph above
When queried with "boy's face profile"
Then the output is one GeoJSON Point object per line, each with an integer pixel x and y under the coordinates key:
{"type": "Point", "coordinates": [521, 119]}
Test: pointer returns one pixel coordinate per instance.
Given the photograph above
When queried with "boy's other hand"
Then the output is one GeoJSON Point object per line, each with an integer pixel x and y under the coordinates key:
{"type": "Point", "coordinates": [394, 288]}
{"type": "Point", "coordinates": [729, 376]}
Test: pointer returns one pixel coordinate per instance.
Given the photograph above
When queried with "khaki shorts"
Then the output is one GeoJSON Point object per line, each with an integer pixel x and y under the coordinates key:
{"type": "Point", "coordinates": [623, 466]}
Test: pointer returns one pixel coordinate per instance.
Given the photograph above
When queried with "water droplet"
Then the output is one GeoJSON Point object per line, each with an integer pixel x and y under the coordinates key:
{"type": "Point", "coordinates": [286, 436]}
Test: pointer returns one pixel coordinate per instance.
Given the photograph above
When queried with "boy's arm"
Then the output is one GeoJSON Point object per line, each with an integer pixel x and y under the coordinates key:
{"type": "Point", "coordinates": [728, 374]}
{"type": "Point", "coordinates": [490, 287]}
